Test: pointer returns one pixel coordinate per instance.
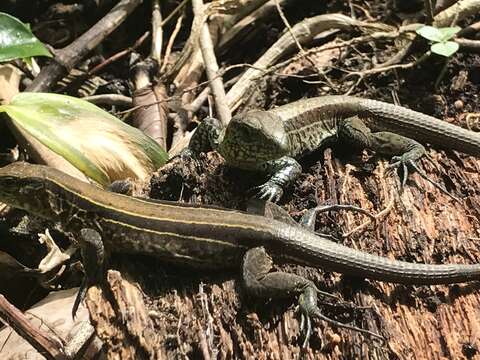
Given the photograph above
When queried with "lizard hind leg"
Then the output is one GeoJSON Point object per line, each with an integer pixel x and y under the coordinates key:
{"type": "Point", "coordinates": [411, 151]}
{"type": "Point", "coordinates": [258, 281]}
{"type": "Point", "coordinates": [403, 150]}
{"type": "Point", "coordinates": [354, 133]}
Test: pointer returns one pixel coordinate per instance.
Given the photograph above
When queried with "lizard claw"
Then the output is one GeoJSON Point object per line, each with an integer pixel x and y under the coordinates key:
{"type": "Point", "coordinates": [270, 192]}
{"type": "Point", "coordinates": [308, 308]}
{"type": "Point", "coordinates": [410, 164]}
{"type": "Point", "coordinates": [398, 161]}
{"type": "Point", "coordinates": [82, 292]}
{"type": "Point", "coordinates": [307, 304]}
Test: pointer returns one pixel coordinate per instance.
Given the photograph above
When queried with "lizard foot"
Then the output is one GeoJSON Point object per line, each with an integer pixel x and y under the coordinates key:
{"type": "Point", "coordinates": [407, 164]}
{"type": "Point", "coordinates": [270, 192]}
{"type": "Point", "coordinates": [397, 162]}
{"type": "Point", "coordinates": [309, 309]}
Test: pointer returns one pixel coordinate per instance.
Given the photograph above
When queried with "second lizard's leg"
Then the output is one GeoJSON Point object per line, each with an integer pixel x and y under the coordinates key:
{"type": "Point", "coordinates": [282, 171]}
{"type": "Point", "coordinates": [354, 132]}
{"type": "Point", "coordinates": [404, 151]}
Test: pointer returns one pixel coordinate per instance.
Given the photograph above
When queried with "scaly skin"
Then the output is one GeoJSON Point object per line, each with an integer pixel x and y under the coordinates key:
{"type": "Point", "coordinates": [270, 140]}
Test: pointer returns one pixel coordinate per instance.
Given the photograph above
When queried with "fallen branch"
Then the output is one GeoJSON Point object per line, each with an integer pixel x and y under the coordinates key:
{"type": "Point", "coordinates": [211, 67]}
{"type": "Point", "coordinates": [457, 12]}
{"type": "Point", "coordinates": [51, 348]}
{"type": "Point", "coordinates": [304, 32]}
{"type": "Point", "coordinates": [468, 44]}
{"type": "Point", "coordinates": [68, 57]}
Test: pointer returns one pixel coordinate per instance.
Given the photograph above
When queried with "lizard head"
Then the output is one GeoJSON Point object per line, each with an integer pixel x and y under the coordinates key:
{"type": "Point", "coordinates": [255, 136]}
{"type": "Point", "coordinates": [21, 186]}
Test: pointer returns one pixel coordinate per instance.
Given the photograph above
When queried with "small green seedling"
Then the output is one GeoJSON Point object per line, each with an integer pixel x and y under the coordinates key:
{"type": "Point", "coordinates": [440, 37]}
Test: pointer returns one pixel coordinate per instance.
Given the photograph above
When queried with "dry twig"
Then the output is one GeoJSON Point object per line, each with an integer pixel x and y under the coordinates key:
{"type": "Point", "coordinates": [211, 67]}
{"type": "Point", "coordinates": [170, 43]}
{"type": "Point", "coordinates": [157, 32]}
{"type": "Point", "coordinates": [51, 348]}
{"type": "Point", "coordinates": [304, 33]}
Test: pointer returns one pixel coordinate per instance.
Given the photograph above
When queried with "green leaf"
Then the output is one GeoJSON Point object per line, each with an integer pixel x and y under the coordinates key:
{"type": "Point", "coordinates": [446, 49]}
{"type": "Point", "coordinates": [430, 33]}
{"type": "Point", "coordinates": [97, 143]}
{"type": "Point", "coordinates": [449, 32]}
{"type": "Point", "coordinates": [438, 34]}
{"type": "Point", "coordinates": [17, 41]}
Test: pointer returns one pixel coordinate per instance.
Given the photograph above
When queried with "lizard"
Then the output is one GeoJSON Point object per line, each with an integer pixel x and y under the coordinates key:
{"type": "Point", "coordinates": [205, 237]}
{"type": "Point", "coordinates": [271, 140]}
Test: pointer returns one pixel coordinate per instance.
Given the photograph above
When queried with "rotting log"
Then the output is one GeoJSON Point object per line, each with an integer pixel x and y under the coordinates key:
{"type": "Point", "coordinates": [201, 315]}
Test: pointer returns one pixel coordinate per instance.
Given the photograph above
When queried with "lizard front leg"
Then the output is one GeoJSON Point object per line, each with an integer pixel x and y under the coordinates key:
{"type": "Point", "coordinates": [206, 137]}
{"type": "Point", "coordinates": [93, 260]}
{"type": "Point", "coordinates": [282, 171]}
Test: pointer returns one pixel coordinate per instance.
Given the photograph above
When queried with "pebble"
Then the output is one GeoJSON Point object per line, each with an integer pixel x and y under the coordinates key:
{"type": "Point", "coordinates": [458, 104]}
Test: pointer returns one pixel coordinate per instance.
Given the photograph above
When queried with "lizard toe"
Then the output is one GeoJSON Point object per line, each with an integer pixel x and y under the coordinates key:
{"type": "Point", "coordinates": [309, 309]}
{"type": "Point", "coordinates": [270, 192]}
{"type": "Point", "coordinates": [403, 162]}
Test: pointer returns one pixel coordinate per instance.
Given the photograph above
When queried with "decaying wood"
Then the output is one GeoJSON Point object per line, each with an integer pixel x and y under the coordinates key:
{"type": "Point", "coordinates": [423, 322]}
{"type": "Point", "coordinates": [124, 326]}
{"type": "Point", "coordinates": [52, 317]}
